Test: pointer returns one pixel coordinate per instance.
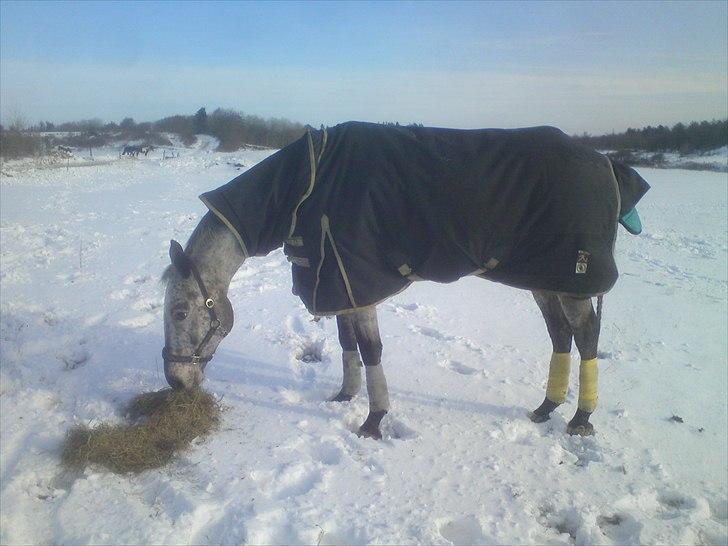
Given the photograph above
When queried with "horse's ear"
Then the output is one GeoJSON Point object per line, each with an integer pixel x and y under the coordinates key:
{"type": "Point", "coordinates": [179, 259]}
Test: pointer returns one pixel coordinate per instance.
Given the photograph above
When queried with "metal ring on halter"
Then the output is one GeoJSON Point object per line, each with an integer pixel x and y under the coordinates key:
{"type": "Point", "coordinates": [209, 303]}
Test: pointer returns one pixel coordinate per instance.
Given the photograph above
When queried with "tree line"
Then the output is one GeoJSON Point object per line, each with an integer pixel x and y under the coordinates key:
{"type": "Point", "coordinates": [233, 129]}
{"type": "Point", "coordinates": [681, 137]}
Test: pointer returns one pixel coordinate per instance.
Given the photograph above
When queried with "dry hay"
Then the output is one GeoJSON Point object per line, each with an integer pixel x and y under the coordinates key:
{"type": "Point", "coordinates": [161, 425]}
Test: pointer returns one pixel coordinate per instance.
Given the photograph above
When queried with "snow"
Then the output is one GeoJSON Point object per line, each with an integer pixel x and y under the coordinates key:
{"type": "Point", "coordinates": [460, 463]}
{"type": "Point", "coordinates": [709, 160]}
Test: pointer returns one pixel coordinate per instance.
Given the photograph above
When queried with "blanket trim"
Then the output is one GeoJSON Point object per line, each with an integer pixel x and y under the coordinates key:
{"type": "Point", "coordinates": [227, 223]}
{"type": "Point", "coordinates": [314, 160]}
{"type": "Point", "coordinates": [326, 234]}
{"type": "Point", "coordinates": [294, 241]}
{"type": "Point", "coordinates": [299, 261]}
{"type": "Point", "coordinates": [349, 310]}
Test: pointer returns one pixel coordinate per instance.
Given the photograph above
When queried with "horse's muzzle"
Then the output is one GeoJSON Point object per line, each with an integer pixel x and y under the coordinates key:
{"type": "Point", "coordinates": [183, 376]}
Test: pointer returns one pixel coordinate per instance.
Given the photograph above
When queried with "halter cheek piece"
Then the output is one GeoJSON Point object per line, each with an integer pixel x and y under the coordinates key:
{"type": "Point", "coordinates": [215, 325]}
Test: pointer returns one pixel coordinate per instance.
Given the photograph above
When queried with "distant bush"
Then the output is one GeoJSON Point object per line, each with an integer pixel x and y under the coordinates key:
{"type": "Point", "coordinates": [183, 126]}
{"type": "Point", "coordinates": [19, 144]}
{"type": "Point", "coordinates": [234, 130]}
{"type": "Point", "coordinates": [200, 122]}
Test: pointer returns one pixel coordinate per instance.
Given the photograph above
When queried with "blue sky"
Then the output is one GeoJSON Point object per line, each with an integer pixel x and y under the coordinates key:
{"type": "Point", "coordinates": [581, 66]}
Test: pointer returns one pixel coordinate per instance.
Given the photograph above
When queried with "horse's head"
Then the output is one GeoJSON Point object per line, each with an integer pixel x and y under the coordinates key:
{"type": "Point", "coordinates": [197, 316]}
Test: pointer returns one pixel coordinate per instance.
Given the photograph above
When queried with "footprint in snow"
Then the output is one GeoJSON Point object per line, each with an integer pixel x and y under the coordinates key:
{"type": "Point", "coordinates": [75, 357]}
{"type": "Point", "coordinates": [326, 452]}
{"type": "Point", "coordinates": [295, 479]}
{"type": "Point", "coordinates": [295, 325]}
{"type": "Point", "coordinates": [585, 449]}
{"type": "Point", "coordinates": [137, 279]}
{"type": "Point", "coordinates": [431, 332]}
{"type": "Point", "coordinates": [120, 294]}
{"type": "Point", "coordinates": [458, 367]}
{"type": "Point", "coordinates": [394, 429]}
{"type": "Point", "coordinates": [622, 528]}
{"type": "Point", "coordinates": [147, 305]}
{"type": "Point", "coordinates": [310, 351]}
{"type": "Point", "coordinates": [140, 321]}
{"type": "Point", "coordinates": [672, 503]}
{"type": "Point", "coordinates": [409, 309]}
{"type": "Point", "coordinates": [462, 531]}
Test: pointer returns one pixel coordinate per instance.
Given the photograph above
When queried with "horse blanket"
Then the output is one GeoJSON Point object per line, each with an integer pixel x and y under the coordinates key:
{"type": "Point", "coordinates": [365, 209]}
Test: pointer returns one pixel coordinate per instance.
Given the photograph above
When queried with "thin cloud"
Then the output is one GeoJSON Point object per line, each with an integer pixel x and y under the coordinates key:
{"type": "Point", "coordinates": [576, 100]}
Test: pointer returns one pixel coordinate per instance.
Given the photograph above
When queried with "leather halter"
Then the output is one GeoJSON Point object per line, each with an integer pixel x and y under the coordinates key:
{"type": "Point", "coordinates": [215, 325]}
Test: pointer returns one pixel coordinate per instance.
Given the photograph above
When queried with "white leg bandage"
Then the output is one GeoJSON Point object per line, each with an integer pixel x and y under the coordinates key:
{"type": "Point", "coordinates": [377, 388]}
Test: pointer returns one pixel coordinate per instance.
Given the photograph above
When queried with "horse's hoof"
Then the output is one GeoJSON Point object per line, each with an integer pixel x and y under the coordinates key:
{"type": "Point", "coordinates": [370, 428]}
{"type": "Point", "coordinates": [366, 432]}
{"type": "Point", "coordinates": [537, 417]}
{"type": "Point", "coordinates": [581, 430]}
{"type": "Point", "coordinates": [342, 397]}
{"type": "Point", "coordinates": [543, 412]}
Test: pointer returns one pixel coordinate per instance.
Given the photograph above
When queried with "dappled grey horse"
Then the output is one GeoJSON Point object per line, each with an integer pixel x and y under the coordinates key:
{"type": "Point", "coordinates": [363, 210]}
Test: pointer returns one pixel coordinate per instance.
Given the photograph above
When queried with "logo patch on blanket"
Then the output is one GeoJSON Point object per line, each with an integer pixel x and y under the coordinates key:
{"type": "Point", "coordinates": [582, 261]}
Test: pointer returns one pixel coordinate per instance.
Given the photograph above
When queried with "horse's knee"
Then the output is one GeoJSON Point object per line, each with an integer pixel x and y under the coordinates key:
{"type": "Point", "coordinates": [578, 311]}
{"type": "Point", "coordinates": [366, 329]}
{"type": "Point", "coordinates": [371, 352]}
{"type": "Point", "coordinates": [584, 323]}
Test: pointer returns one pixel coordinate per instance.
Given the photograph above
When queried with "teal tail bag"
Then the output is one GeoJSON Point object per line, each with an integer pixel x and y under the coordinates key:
{"type": "Point", "coordinates": [631, 222]}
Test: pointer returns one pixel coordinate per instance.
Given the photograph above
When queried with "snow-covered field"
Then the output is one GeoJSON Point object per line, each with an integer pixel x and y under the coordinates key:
{"type": "Point", "coordinates": [81, 333]}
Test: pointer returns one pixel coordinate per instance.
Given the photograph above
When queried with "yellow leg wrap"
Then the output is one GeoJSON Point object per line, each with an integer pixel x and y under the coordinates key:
{"type": "Point", "coordinates": [558, 384]}
{"type": "Point", "coordinates": [588, 376]}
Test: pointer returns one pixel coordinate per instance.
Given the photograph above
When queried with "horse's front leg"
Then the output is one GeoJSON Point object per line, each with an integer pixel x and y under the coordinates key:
{"type": "Point", "coordinates": [366, 330]}
{"type": "Point", "coordinates": [351, 383]}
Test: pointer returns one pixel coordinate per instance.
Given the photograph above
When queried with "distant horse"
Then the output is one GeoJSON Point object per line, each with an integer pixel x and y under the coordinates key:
{"type": "Point", "coordinates": [134, 151]}
{"type": "Point", "coordinates": [65, 151]}
{"type": "Point", "coordinates": [363, 210]}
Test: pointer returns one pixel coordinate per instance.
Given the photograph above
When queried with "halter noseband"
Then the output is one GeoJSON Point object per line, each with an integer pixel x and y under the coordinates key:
{"type": "Point", "coordinates": [215, 324]}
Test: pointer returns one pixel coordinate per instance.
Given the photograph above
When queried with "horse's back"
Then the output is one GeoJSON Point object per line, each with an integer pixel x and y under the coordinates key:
{"type": "Point", "coordinates": [515, 205]}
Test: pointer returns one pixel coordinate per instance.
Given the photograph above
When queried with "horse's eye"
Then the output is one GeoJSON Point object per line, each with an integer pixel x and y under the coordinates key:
{"type": "Point", "coordinates": [180, 315]}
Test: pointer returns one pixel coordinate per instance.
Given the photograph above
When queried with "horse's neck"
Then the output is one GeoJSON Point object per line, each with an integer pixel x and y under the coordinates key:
{"type": "Point", "coordinates": [216, 252]}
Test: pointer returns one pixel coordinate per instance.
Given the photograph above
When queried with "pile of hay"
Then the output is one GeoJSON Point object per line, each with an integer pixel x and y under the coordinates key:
{"type": "Point", "coordinates": [161, 424]}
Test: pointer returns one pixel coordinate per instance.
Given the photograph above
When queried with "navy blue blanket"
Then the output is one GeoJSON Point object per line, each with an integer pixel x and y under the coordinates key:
{"type": "Point", "coordinates": [364, 209]}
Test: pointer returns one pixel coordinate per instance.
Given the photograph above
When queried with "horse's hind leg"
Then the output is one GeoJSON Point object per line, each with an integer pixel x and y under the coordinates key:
{"type": "Point", "coordinates": [560, 333]}
{"type": "Point", "coordinates": [351, 383]}
{"type": "Point", "coordinates": [366, 329]}
{"type": "Point", "coordinates": [585, 325]}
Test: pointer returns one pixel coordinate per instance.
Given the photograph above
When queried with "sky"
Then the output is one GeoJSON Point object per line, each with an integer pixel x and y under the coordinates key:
{"type": "Point", "coordinates": [585, 67]}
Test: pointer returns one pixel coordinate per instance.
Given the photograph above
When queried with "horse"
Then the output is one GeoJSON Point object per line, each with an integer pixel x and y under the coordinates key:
{"type": "Point", "coordinates": [363, 210]}
{"type": "Point", "coordinates": [133, 151]}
